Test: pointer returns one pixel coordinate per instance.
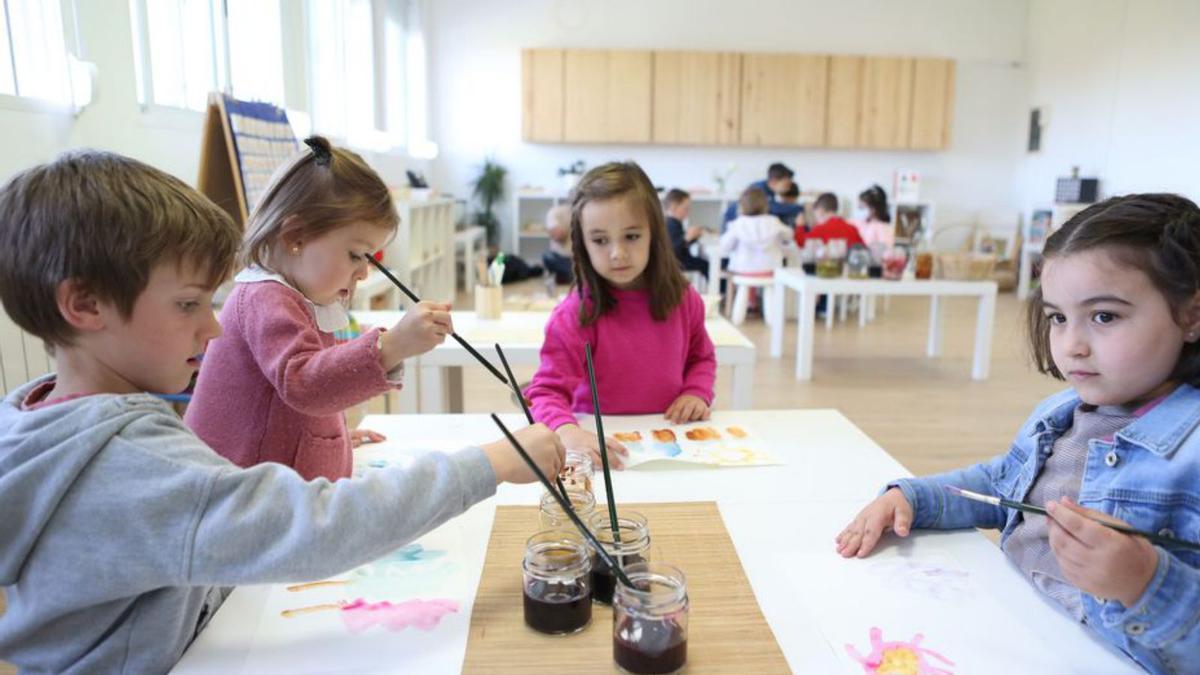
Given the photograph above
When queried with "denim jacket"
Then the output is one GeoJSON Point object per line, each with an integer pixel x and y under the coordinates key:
{"type": "Point", "coordinates": [1148, 474]}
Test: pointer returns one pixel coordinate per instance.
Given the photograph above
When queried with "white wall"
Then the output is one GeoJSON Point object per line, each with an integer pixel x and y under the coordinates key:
{"type": "Point", "coordinates": [1120, 80]}
{"type": "Point", "coordinates": [476, 85]}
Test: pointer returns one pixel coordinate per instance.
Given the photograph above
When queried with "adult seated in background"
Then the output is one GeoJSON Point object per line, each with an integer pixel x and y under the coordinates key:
{"type": "Point", "coordinates": [829, 225]}
{"type": "Point", "coordinates": [678, 205]}
{"type": "Point", "coordinates": [874, 219]}
{"type": "Point", "coordinates": [779, 181]}
{"type": "Point", "coordinates": [557, 257]}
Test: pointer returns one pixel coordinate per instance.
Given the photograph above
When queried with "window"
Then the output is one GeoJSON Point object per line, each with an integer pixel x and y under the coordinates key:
{"type": "Point", "coordinates": [35, 62]}
{"type": "Point", "coordinates": [185, 49]}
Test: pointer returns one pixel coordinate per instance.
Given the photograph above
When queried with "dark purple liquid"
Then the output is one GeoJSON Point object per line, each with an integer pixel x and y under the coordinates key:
{"type": "Point", "coordinates": [875, 271]}
{"type": "Point", "coordinates": [604, 582]}
{"type": "Point", "coordinates": [809, 268]}
{"type": "Point", "coordinates": [660, 646]}
{"type": "Point", "coordinates": [556, 608]}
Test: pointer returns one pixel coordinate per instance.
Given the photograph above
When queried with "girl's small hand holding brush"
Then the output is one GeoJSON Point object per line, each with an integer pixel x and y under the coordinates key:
{"type": "Point", "coordinates": [424, 326]}
{"type": "Point", "coordinates": [1097, 559]}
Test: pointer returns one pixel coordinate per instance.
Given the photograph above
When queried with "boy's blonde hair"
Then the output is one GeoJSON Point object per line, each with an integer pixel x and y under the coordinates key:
{"type": "Point", "coordinates": [105, 222]}
{"type": "Point", "coordinates": [320, 189]}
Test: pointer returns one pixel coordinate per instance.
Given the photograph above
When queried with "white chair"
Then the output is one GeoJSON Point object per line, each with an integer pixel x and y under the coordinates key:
{"type": "Point", "coordinates": [740, 288]}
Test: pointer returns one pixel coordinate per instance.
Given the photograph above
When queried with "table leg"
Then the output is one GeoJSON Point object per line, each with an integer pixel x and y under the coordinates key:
{"type": "Point", "coordinates": [432, 392]}
{"type": "Point", "coordinates": [714, 275]}
{"type": "Point", "coordinates": [830, 308]}
{"type": "Point", "coordinates": [804, 337]}
{"type": "Point", "coordinates": [984, 323]}
{"type": "Point", "coordinates": [844, 309]}
{"type": "Point", "coordinates": [934, 347]}
{"type": "Point", "coordinates": [862, 310]}
{"type": "Point", "coordinates": [777, 300]}
{"type": "Point", "coordinates": [743, 386]}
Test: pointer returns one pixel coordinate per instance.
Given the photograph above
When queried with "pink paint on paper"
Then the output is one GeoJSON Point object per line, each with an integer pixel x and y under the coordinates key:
{"type": "Point", "coordinates": [424, 614]}
{"type": "Point", "coordinates": [898, 658]}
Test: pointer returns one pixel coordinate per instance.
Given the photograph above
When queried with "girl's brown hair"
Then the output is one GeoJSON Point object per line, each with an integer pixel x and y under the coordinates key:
{"type": "Point", "coordinates": [318, 190]}
{"type": "Point", "coordinates": [1158, 234]}
{"type": "Point", "coordinates": [662, 275]}
{"type": "Point", "coordinates": [753, 202]}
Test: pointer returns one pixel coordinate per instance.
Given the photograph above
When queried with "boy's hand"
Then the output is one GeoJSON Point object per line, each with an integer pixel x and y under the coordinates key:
{"type": "Point", "coordinates": [581, 440]}
{"type": "Point", "coordinates": [889, 511]}
{"type": "Point", "coordinates": [543, 446]}
{"type": "Point", "coordinates": [423, 327]}
{"type": "Point", "coordinates": [361, 436]}
{"type": "Point", "coordinates": [1099, 560]}
{"type": "Point", "coordinates": [694, 232]}
{"type": "Point", "coordinates": [687, 408]}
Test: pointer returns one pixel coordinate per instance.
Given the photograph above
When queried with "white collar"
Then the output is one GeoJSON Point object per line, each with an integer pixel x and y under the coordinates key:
{"type": "Point", "coordinates": [330, 318]}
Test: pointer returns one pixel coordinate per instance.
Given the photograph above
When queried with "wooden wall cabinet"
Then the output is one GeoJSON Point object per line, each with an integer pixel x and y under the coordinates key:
{"type": "Point", "coordinates": [886, 106]}
{"type": "Point", "coordinates": [697, 98]}
{"type": "Point", "coordinates": [843, 118]}
{"type": "Point", "coordinates": [932, 104]}
{"type": "Point", "coordinates": [542, 95]}
{"type": "Point", "coordinates": [783, 99]}
{"type": "Point", "coordinates": [607, 96]}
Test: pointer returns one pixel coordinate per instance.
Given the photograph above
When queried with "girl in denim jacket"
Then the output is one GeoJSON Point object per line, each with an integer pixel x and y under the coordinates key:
{"type": "Point", "coordinates": [1118, 316]}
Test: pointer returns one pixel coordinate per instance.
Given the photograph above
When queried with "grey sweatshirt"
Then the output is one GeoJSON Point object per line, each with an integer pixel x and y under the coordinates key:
{"type": "Point", "coordinates": [118, 528]}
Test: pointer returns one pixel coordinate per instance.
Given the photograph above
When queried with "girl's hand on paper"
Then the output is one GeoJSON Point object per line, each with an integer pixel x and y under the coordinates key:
{"type": "Point", "coordinates": [889, 511]}
{"type": "Point", "coordinates": [688, 408]}
{"type": "Point", "coordinates": [581, 440]}
{"type": "Point", "coordinates": [363, 436]}
{"type": "Point", "coordinates": [1097, 559]}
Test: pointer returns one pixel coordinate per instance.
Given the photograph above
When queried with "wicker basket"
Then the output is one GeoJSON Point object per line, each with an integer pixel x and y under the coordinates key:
{"type": "Point", "coordinates": [965, 266]}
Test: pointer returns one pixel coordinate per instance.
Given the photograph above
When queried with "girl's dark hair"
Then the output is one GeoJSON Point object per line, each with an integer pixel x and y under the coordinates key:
{"type": "Point", "coordinates": [876, 200]}
{"type": "Point", "coordinates": [1158, 234]}
{"type": "Point", "coordinates": [662, 276]}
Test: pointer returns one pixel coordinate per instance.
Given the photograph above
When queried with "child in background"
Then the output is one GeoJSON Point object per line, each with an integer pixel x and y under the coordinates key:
{"type": "Point", "coordinates": [874, 220]}
{"type": "Point", "coordinates": [557, 258]}
{"type": "Point", "coordinates": [678, 205]}
{"type": "Point", "coordinates": [644, 322]}
{"type": "Point", "coordinates": [754, 240]}
{"type": "Point", "coordinates": [829, 225]}
{"type": "Point", "coordinates": [122, 531]}
{"type": "Point", "coordinates": [791, 197]}
{"type": "Point", "coordinates": [1118, 316]}
{"type": "Point", "coordinates": [278, 370]}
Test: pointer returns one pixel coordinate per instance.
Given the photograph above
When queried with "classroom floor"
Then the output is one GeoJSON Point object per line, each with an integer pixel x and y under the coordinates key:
{"type": "Point", "coordinates": [927, 413]}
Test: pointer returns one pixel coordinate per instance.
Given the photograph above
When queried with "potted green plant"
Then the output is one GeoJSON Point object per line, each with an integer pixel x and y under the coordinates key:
{"type": "Point", "coordinates": [488, 188]}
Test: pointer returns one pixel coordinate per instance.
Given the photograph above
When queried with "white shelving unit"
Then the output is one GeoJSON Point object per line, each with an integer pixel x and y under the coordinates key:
{"type": "Point", "coordinates": [422, 252]}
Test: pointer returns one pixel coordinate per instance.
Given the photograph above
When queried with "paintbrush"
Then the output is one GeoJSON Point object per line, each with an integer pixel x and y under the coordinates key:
{"type": "Point", "coordinates": [566, 506]}
{"type": "Point", "coordinates": [1162, 539]}
{"type": "Point", "coordinates": [524, 406]}
{"type": "Point", "coordinates": [608, 491]}
{"type": "Point", "coordinates": [413, 296]}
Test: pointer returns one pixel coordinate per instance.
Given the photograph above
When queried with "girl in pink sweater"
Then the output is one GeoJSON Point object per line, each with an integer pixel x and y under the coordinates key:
{"type": "Point", "coordinates": [274, 387]}
{"type": "Point", "coordinates": [633, 305]}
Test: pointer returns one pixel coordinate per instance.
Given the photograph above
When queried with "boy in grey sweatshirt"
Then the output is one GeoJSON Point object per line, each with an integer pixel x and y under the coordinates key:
{"type": "Point", "coordinates": [121, 530]}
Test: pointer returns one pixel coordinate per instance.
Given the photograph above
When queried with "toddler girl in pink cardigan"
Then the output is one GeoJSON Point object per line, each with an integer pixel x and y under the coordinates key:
{"type": "Point", "coordinates": [633, 305]}
{"type": "Point", "coordinates": [274, 387]}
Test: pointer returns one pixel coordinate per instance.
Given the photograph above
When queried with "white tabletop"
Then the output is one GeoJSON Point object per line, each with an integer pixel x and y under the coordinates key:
{"type": "Point", "coordinates": [796, 278]}
{"type": "Point", "coordinates": [782, 520]}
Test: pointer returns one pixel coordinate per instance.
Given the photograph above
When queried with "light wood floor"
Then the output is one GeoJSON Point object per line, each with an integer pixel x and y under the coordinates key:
{"type": "Point", "coordinates": [927, 413]}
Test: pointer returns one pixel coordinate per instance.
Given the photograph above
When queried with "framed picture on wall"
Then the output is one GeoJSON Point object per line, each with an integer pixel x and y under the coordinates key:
{"type": "Point", "coordinates": [1040, 225]}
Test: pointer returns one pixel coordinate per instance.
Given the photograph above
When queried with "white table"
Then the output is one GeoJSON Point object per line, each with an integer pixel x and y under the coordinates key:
{"type": "Point", "coordinates": [468, 241]}
{"type": "Point", "coordinates": [777, 517]}
{"type": "Point", "coordinates": [809, 287]}
{"type": "Point", "coordinates": [521, 335]}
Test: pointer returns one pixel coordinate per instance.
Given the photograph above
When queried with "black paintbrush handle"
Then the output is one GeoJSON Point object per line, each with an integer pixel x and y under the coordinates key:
{"type": "Point", "coordinates": [512, 379]}
{"type": "Point", "coordinates": [566, 506]}
{"type": "Point", "coordinates": [1161, 539]}
{"type": "Point", "coordinates": [608, 491]}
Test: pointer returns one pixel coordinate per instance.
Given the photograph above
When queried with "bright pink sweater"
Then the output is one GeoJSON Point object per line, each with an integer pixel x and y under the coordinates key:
{"type": "Point", "coordinates": [642, 365]}
{"type": "Point", "coordinates": [273, 387]}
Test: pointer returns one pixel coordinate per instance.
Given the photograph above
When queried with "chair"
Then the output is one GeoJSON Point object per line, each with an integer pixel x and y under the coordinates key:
{"type": "Point", "coordinates": [741, 285]}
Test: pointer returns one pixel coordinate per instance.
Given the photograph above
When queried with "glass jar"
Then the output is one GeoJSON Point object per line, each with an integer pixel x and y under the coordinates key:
{"type": "Point", "coordinates": [631, 546]}
{"type": "Point", "coordinates": [858, 260]}
{"type": "Point", "coordinates": [551, 514]}
{"type": "Point", "coordinates": [578, 472]}
{"type": "Point", "coordinates": [558, 587]}
{"type": "Point", "coordinates": [810, 254]}
{"type": "Point", "coordinates": [894, 262]}
{"type": "Point", "coordinates": [924, 266]}
{"type": "Point", "coordinates": [650, 620]}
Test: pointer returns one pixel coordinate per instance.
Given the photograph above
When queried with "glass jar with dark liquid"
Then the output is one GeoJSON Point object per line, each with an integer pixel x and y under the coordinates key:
{"type": "Point", "coordinates": [632, 545]}
{"type": "Point", "coordinates": [650, 620]}
{"type": "Point", "coordinates": [558, 587]}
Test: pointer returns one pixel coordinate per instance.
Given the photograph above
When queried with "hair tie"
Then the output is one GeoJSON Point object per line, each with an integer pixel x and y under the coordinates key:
{"type": "Point", "coordinates": [320, 150]}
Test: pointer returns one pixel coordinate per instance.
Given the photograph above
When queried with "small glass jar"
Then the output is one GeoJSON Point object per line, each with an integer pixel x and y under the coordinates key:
{"type": "Point", "coordinates": [650, 620]}
{"type": "Point", "coordinates": [858, 260]}
{"type": "Point", "coordinates": [551, 514]}
{"type": "Point", "coordinates": [894, 262]}
{"type": "Point", "coordinates": [558, 587]}
{"type": "Point", "coordinates": [633, 547]}
{"type": "Point", "coordinates": [578, 472]}
{"type": "Point", "coordinates": [924, 266]}
{"type": "Point", "coordinates": [810, 254]}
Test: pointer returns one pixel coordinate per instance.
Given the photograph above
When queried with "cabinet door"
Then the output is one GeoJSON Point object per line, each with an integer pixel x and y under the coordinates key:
{"type": "Point", "coordinates": [843, 112]}
{"type": "Point", "coordinates": [607, 96]}
{"type": "Point", "coordinates": [542, 95]}
{"type": "Point", "coordinates": [886, 103]}
{"type": "Point", "coordinates": [783, 99]}
{"type": "Point", "coordinates": [696, 97]}
{"type": "Point", "coordinates": [933, 104]}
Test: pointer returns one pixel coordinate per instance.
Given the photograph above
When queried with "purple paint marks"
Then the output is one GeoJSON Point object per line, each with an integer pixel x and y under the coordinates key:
{"type": "Point", "coordinates": [360, 615]}
{"type": "Point", "coordinates": [898, 658]}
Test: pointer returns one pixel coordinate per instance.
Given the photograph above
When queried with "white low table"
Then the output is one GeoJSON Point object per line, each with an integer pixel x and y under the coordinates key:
{"type": "Point", "coordinates": [521, 335]}
{"type": "Point", "coordinates": [809, 287]}
{"type": "Point", "coordinates": [781, 520]}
